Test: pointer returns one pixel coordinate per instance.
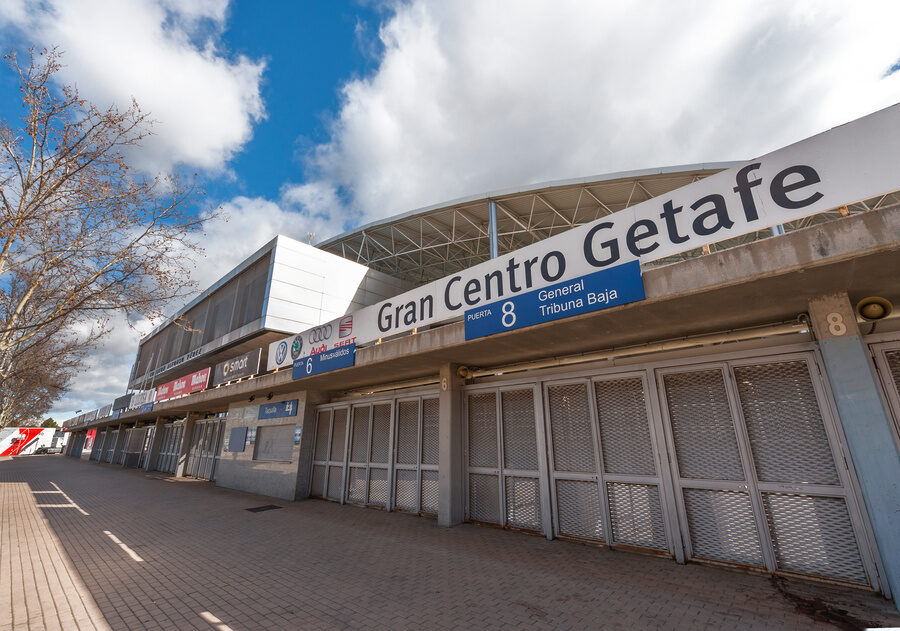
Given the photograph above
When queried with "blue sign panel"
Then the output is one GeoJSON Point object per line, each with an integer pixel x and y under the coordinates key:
{"type": "Point", "coordinates": [607, 288]}
{"type": "Point", "coordinates": [146, 407]}
{"type": "Point", "coordinates": [341, 357]}
{"type": "Point", "coordinates": [278, 410]}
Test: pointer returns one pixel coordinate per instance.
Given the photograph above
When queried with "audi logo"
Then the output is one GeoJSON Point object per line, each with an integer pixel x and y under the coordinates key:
{"type": "Point", "coordinates": [319, 334]}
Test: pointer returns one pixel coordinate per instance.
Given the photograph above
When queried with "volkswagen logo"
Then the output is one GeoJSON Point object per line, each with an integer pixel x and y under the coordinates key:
{"type": "Point", "coordinates": [297, 347]}
{"type": "Point", "coordinates": [281, 352]}
{"type": "Point", "coordinates": [319, 334]}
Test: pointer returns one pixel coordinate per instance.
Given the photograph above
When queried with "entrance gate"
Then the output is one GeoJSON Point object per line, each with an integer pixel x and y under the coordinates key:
{"type": "Point", "coordinates": [170, 447]}
{"type": "Point", "coordinates": [206, 445]}
{"type": "Point", "coordinates": [381, 453]}
{"type": "Point", "coordinates": [110, 445]}
{"type": "Point", "coordinates": [887, 361]}
{"type": "Point", "coordinates": [604, 462]}
{"type": "Point", "coordinates": [761, 480]}
{"type": "Point", "coordinates": [504, 474]}
{"type": "Point", "coordinates": [735, 461]}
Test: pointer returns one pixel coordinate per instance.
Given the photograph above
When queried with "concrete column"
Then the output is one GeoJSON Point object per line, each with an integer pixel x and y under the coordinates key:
{"type": "Point", "coordinates": [185, 451]}
{"type": "Point", "coordinates": [307, 419]}
{"type": "Point", "coordinates": [865, 421]}
{"type": "Point", "coordinates": [155, 444]}
{"type": "Point", "coordinates": [451, 466]}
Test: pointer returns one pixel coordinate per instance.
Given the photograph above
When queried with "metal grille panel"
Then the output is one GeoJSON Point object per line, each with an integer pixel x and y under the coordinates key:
{"type": "Point", "coordinates": [430, 416]}
{"type": "Point", "coordinates": [338, 432]}
{"type": "Point", "coordinates": [317, 489]}
{"type": "Point", "coordinates": [378, 486]}
{"type": "Point", "coordinates": [523, 503]}
{"type": "Point", "coordinates": [334, 482]}
{"type": "Point", "coordinates": [405, 490]}
{"type": "Point", "coordinates": [430, 492]}
{"type": "Point", "coordinates": [893, 362]}
{"type": "Point", "coordinates": [519, 438]}
{"type": "Point", "coordinates": [322, 423]}
{"type": "Point", "coordinates": [705, 442]}
{"type": "Point", "coordinates": [381, 433]}
{"type": "Point", "coordinates": [578, 508]}
{"type": "Point", "coordinates": [570, 424]}
{"type": "Point", "coordinates": [359, 438]}
{"type": "Point", "coordinates": [484, 498]}
{"type": "Point", "coordinates": [784, 423]}
{"type": "Point", "coordinates": [356, 485]}
{"type": "Point", "coordinates": [813, 535]}
{"type": "Point", "coordinates": [483, 430]}
{"type": "Point", "coordinates": [407, 432]}
{"type": "Point", "coordinates": [636, 515]}
{"type": "Point", "coordinates": [722, 526]}
{"type": "Point", "coordinates": [624, 427]}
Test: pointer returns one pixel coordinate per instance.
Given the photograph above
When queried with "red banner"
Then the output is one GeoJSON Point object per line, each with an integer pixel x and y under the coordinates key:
{"type": "Point", "coordinates": [194, 382]}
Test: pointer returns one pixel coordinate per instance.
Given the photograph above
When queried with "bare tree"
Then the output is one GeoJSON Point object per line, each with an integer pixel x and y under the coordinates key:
{"type": "Point", "coordinates": [37, 372]}
{"type": "Point", "coordinates": [81, 235]}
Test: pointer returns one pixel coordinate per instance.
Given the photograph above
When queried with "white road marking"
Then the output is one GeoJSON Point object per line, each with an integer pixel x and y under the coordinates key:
{"type": "Point", "coordinates": [69, 499]}
{"type": "Point", "coordinates": [215, 622]}
{"type": "Point", "coordinates": [127, 550]}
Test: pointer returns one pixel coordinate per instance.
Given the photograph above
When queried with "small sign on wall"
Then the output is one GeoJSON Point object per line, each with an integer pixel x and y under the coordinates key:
{"type": "Point", "coordinates": [251, 435]}
{"type": "Point", "coordinates": [298, 432]}
{"type": "Point", "coordinates": [278, 410]}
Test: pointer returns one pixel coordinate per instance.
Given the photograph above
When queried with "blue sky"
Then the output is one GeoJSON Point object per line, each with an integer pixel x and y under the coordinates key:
{"type": "Point", "coordinates": [314, 117]}
{"type": "Point", "coordinates": [310, 48]}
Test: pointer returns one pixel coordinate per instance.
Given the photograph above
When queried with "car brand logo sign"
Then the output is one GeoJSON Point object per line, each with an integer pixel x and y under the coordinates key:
{"type": "Point", "coordinates": [345, 326]}
{"type": "Point", "coordinates": [319, 334]}
{"type": "Point", "coordinates": [281, 353]}
{"type": "Point", "coordinates": [296, 347]}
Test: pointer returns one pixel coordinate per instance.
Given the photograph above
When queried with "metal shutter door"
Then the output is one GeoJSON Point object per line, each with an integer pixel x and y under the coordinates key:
{"type": "Point", "coordinates": [812, 532]}
{"type": "Point", "coordinates": [573, 463]}
{"type": "Point", "coordinates": [484, 481]}
{"type": "Point", "coordinates": [717, 505]}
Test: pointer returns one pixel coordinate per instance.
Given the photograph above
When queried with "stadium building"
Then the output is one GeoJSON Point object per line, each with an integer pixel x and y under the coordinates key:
{"type": "Point", "coordinates": [699, 362]}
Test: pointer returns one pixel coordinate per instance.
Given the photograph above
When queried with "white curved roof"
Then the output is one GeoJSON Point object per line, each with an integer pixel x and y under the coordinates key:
{"type": "Point", "coordinates": [435, 241]}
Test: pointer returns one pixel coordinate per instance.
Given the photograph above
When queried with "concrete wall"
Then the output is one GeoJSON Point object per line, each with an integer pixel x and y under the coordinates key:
{"type": "Point", "coordinates": [238, 470]}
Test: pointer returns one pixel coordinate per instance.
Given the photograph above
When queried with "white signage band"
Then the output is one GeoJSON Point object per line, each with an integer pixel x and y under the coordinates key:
{"type": "Point", "coordinates": [841, 166]}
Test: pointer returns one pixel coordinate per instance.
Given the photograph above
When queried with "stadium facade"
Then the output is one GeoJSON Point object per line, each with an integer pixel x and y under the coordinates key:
{"type": "Point", "coordinates": [698, 362]}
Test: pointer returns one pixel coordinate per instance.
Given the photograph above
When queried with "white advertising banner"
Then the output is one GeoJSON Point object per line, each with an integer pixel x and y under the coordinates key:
{"type": "Point", "coordinates": [841, 166]}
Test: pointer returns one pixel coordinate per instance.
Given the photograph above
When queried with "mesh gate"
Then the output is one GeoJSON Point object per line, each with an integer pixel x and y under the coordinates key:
{"type": "Point", "coordinates": [887, 360]}
{"type": "Point", "coordinates": [206, 443]}
{"type": "Point", "coordinates": [379, 453]}
{"type": "Point", "coordinates": [416, 456]}
{"type": "Point", "coordinates": [604, 481]}
{"type": "Point", "coordinates": [170, 447]}
{"type": "Point", "coordinates": [328, 456]}
{"type": "Point", "coordinates": [756, 478]}
{"type": "Point", "coordinates": [503, 466]}
{"type": "Point", "coordinates": [110, 445]}
{"type": "Point", "coordinates": [370, 440]}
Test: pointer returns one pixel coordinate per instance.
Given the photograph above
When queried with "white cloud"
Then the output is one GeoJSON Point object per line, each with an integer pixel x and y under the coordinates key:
{"type": "Point", "coordinates": [477, 95]}
{"type": "Point", "coordinates": [246, 224]}
{"type": "Point", "coordinates": [166, 56]}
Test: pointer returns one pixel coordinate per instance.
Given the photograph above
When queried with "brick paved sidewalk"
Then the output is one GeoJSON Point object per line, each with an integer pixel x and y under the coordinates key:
{"type": "Point", "coordinates": [154, 553]}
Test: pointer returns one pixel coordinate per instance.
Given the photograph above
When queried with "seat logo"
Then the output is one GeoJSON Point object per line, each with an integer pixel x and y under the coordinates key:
{"type": "Point", "coordinates": [345, 326]}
